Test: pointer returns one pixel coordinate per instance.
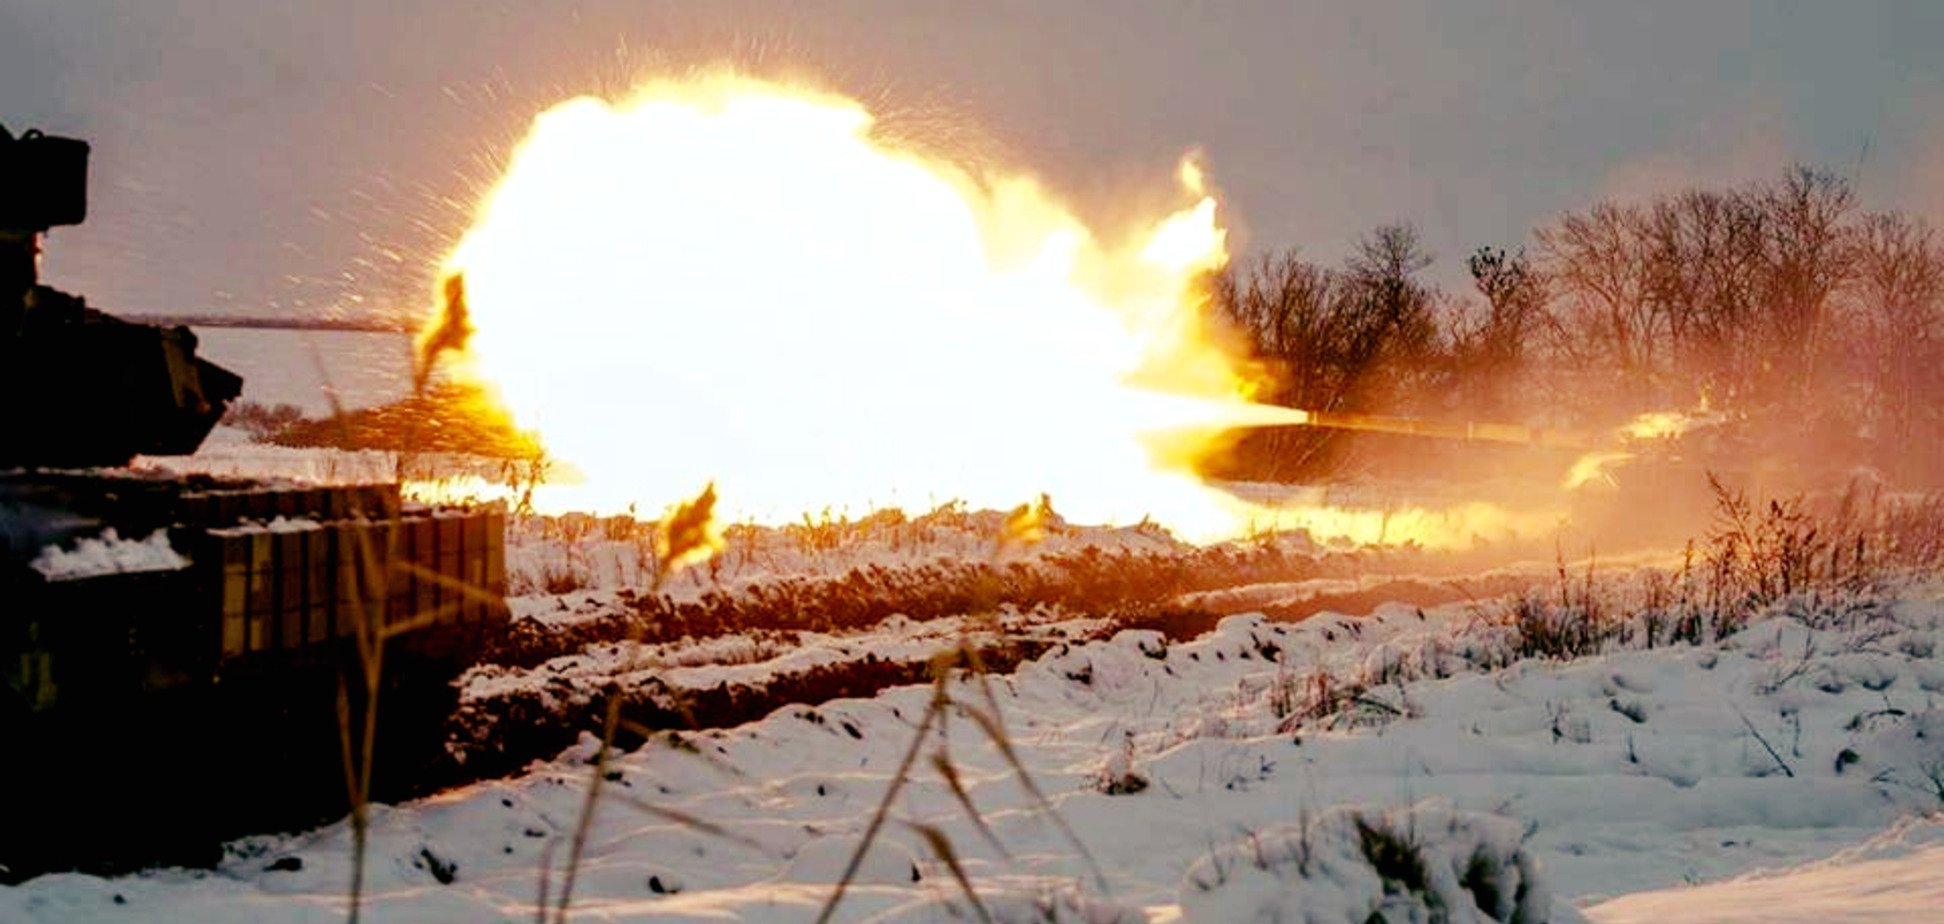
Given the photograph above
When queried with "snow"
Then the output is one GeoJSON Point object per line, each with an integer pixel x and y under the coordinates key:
{"type": "Point", "coordinates": [1897, 876]}
{"type": "Point", "coordinates": [293, 525]}
{"type": "Point", "coordinates": [231, 453]}
{"type": "Point", "coordinates": [1604, 781]}
{"type": "Point", "coordinates": [744, 659]}
{"type": "Point", "coordinates": [547, 554]}
{"type": "Point", "coordinates": [277, 525]}
{"type": "Point", "coordinates": [1791, 771]}
{"type": "Point", "coordinates": [108, 554]}
{"type": "Point", "coordinates": [1350, 866]}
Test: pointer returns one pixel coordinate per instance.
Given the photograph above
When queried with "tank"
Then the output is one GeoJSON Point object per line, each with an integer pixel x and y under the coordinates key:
{"type": "Point", "coordinates": [81, 387]}
{"type": "Point", "coordinates": [203, 633]}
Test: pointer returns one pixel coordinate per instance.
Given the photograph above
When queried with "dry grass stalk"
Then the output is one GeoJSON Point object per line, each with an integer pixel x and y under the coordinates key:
{"type": "Point", "coordinates": [371, 631]}
{"type": "Point", "coordinates": [1024, 526]}
{"type": "Point", "coordinates": [688, 534]}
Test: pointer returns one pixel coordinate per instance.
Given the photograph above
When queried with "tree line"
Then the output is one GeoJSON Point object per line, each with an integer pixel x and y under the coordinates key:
{"type": "Point", "coordinates": [1783, 305]}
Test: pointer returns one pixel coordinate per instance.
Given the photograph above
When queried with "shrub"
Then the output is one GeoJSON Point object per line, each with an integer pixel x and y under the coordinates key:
{"type": "Point", "coordinates": [1358, 865]}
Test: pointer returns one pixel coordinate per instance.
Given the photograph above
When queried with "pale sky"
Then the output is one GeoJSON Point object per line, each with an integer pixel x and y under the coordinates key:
{"type": "Point", "coordinates": [267, 156]}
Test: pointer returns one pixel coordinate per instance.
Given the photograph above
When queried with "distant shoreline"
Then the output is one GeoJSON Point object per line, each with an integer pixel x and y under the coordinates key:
{"type": "Point", "coordinates": [357, 325]}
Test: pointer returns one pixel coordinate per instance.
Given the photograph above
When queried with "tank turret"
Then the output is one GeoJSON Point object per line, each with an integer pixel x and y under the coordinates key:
{"type": "Point", "coordinates": [79, 387]}
{"type": "Point", "coordinates": [206, 623]}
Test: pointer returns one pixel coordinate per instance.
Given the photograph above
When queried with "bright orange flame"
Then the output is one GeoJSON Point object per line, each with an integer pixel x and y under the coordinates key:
{"type": "Point", "coordinates": [735, 281]}
{"type": "Point", "coordinates": [1594, 466]}
{"type": "Point", "coordinates": [1657, 425]}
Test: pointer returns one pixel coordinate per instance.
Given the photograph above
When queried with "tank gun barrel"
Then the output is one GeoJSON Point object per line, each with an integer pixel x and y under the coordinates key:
{"type": "Point", "coordinates": [1465, 430]}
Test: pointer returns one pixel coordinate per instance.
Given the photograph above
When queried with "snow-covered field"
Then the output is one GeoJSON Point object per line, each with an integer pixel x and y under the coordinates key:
{"type": "Point", "coordinates": [1784, 772]}
{"type": "Point", "coordinates": [1305, 759]}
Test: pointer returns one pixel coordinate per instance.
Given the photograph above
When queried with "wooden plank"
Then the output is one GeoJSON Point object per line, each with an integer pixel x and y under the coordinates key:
{"type": "Point", "coordinates": [380, 500]}
{"type": "Point", "coordinates": [289, 557]}
{"type": "Point", "coordinates": [234, 552]}
{"type": "Point", "coordinates": [262, 591]}
{"type": "Point", "coordinates": [475, 565]}
{"type": "Point", "coordinates": [352, 596]}
{"type": "Point", "coordinates": [398, 580]}
{"type": "Point", "coordinates": [425, 558]}
{"type": "Point", "coordinates": [259, 505]}
{"type": "Point", "coordinates": [318, 600]}
{"type": "Point", "coordinates": [496, 553]}
{"type": "Point", "coordinates": [195, 509]}
{"type": "Point", "coordinates": [227, 507]}
{"type": "Point", "coordinates": [452, 564]}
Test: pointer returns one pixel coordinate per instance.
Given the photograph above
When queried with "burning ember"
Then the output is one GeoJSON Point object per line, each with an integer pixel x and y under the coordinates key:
{"type": "Point", "coordinates": [1655, 425]}
{"type": "Point", "coordinates": [739, 282]}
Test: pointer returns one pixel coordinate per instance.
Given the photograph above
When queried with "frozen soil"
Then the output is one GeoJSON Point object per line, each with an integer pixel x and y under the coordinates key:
{"type": "Point", "coordinates": [1262, 731]}
{"type": "Point", "coordinates": [1211, 778]}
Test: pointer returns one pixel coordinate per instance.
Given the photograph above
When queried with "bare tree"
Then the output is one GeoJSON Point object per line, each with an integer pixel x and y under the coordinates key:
{"type": "Point", "coordinates": [1515, 298]}
{"type": "Point", "coordinates": [1603, 269]}
{"type": "Point", "coordinates": [1807, 257]}
{"type": "Point", "coordinates": [1290, 310]}
{"type": "Point", "coordinates": [1391, 325]}
{"type": "Point", "coordinates": [1778, 300]}
{"type": "Point", "coordinates": [1705, 251]}
{"type": "Point", "coordinates": [1730, 291]}
{"type": "Point", "coordinates": [1900, 296]}
{"type": "Point", "coordinates": [1487, 350]}
{"type": "Point", "coordinates": [1286, 305]}
{"type": "Point", "coordinates": [1360, 338]}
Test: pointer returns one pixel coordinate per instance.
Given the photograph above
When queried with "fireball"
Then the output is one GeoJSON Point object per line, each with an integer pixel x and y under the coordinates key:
{"type": "Point", "coordinates": [739, 282]}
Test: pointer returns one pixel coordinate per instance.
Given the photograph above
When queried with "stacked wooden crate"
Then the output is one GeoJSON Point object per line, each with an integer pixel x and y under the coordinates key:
{"type": "Point", "coordinates": [302, 567]}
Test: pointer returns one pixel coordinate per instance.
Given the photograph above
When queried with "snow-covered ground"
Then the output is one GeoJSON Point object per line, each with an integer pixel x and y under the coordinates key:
{"type": "Point", "coordinates": [1896, 876]}
{"type": "Point", "coordinates": [109, 554]}
{"type": "Point", "coordinates": [1264, 771]}
{"type": "Point", "coordinates": [1244, 775]}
